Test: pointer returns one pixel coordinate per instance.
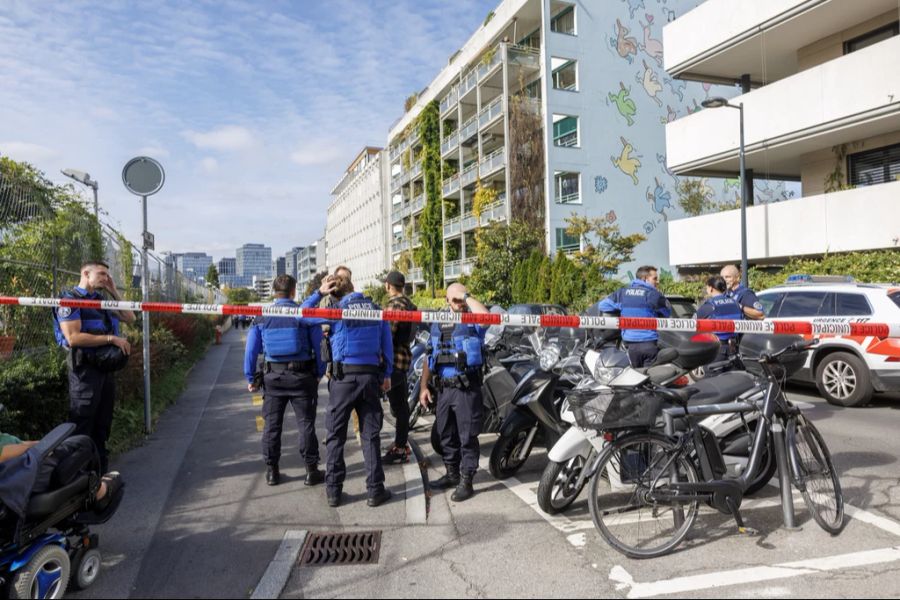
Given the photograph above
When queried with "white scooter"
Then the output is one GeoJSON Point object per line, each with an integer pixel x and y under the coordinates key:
{"type": "Point", "coordinates": [564, 476]}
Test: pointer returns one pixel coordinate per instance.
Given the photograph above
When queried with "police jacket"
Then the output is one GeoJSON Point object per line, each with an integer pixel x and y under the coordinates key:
{"type": "Point", "coordinates": [358, 342]}
{"type": "Point", "coordinates": [449, 341]}
{"type": "Point", "coordinates": [745, 297]}
{"type": "Point", "coordinates": [93, 320]}
{"type": "Point", "coordinates": [284, 339]}
{"type": "Point", "coordinates": [721, 307]}
{"type": "Point", "coordinates": [638, 300]}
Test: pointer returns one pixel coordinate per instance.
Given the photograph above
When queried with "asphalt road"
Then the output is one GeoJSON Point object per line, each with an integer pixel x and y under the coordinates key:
{"type": "Point", "coordinates": [199, 521]}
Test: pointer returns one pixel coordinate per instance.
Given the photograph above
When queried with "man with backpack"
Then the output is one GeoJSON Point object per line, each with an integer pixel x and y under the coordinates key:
{"type": "Point", "coordinates": [402, 335]}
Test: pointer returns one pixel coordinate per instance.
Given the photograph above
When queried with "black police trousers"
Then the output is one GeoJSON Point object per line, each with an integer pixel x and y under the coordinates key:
{"type": "Point", "coordinates": [642, 354]}
{"type": "Point", "coordinates": [74, 456]}
{"type": "Point", "coordinates": [301, 391]}
{"type": "Point", "coordinates": [459, 412]}
{"type": "Point", "coordinates": [92, 396]}
{"type": "Point", "coordinates": [398, 397]}
{"type": "Point", "coordinates": [362, 393]}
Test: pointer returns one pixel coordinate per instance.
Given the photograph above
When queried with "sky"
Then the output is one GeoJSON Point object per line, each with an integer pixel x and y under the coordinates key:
{"type": "Point", "coordinates": [254, 109]}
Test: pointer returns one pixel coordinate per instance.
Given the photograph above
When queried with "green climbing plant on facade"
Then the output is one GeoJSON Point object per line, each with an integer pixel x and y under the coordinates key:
{"type": "Point", "coordinates": [429, 255]}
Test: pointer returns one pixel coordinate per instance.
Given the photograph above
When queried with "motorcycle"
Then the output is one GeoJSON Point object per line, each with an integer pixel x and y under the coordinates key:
{"type": "Point", "coordinates": [538, 398]}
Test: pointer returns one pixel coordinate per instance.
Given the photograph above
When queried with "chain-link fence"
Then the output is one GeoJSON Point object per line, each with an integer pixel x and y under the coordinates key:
{"type": "Point", "coordinates": [46, 233]}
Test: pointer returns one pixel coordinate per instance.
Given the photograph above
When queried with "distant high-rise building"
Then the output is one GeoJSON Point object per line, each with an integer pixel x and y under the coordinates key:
{"type": "Point", "coordinates": [279, 266]}
{"type": "Point", "coordinates": [254, 260]}
{"type": "Point", "coordinates": [227, 266]}
{"type": "Point", "coordinates": [310, 260]}
{"type": "Point", "coordinates": [192, 265]}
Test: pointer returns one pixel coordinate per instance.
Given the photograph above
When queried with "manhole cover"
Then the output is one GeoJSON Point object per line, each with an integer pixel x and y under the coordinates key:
{"type": "Point", "coordinates": [357, 548]}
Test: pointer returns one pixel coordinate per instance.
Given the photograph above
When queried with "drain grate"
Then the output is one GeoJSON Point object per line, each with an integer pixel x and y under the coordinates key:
{"type": "Point", "coordinates": [357, 548]}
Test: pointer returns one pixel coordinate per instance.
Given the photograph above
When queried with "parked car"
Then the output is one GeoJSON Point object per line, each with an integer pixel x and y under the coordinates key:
{"type": "Point", "coordinates": [846, 369]}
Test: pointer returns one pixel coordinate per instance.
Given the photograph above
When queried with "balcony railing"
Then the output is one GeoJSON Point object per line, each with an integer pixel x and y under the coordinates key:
{"type": "Point", "coordinates": [450, 143]}
{"type": "Point", "coordinates": [417, 205]}
{"type": "Point", "coordinates": [469, 175]}
{"type": "Point", "coordinates": [468, 129]}
{"type": "Point", "coordinates": [470, 80]}
{"type": "Point", "coordinates": [484, 70]}
{"type": "Point", "coordinates": [495, 211]}
{"type": "Point", "coordinates": [453, 270]}
{"type": "Point", "coordinates": [490, 112]}
{"type": "Point", "coordinates": [524, 56]}
{"type": "Point", "coordinates": [416, 275]}
{"type": "Point", "coordinates": [452, 227]}
{"type": "Point", "coordinates": [449, 100]}
{"type": "Point", "coordinates": [492, 162]}
{"type": "Point", "coordinates": [450, 185]}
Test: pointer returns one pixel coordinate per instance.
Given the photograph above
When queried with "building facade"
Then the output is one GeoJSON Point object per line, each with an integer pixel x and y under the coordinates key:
{"type": "Point", "coordinates": [551, 108]}
{"type": "Point", "coordinates": [254, 260]}
{"type": "Point", "coordinates": [310, 260]}
{"type": "Point", "coordinates": [356, 222]}
{"type": "Point", "coordinates": [821, 106]}
{"type": "Point", "coordinates": [279, 266]}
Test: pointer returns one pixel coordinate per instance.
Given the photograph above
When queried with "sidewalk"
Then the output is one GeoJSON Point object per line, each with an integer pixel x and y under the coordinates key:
{"type": "Point", "coordinates": [198, 519]}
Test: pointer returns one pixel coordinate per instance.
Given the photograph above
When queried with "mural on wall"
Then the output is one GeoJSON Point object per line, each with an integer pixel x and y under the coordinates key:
{"type": "Point", "coordinates": [641, 194]}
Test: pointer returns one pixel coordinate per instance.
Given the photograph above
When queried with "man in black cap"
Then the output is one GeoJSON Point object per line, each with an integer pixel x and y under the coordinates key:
{"type": "Point", "coordinates": [402, 334]}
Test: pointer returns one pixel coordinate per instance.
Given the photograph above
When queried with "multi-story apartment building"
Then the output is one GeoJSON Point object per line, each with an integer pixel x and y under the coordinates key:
{"type": "Point", "coordinates": [254, 260]}
{"type": "Point", "coordinates": [310, 260]}
{"type": "Point", "coordinates": [356, 222]}
{"type": "Point", "coordinates": [290, 261]}
{"type": "Point", "coordinates": [551, 108]}
{"type": "Point", "coordinates": [821, 105]}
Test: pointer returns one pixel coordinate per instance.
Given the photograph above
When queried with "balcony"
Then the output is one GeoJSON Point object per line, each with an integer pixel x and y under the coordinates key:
{"type": "Point", "coordinates": [492, 163]}
{"type": "Point", "coordinates": [416, 275]}
{"type": "Point", "coordinates": [449, 101]}
{"type": "Point", "coordinates": [469, 81]}
{"type": "Point", "coordinates": [452, 227]}
{"type": "Point", "coordinates": [450, 143]}
{"type": "Point", "coordinates": [524, 56]}
{"type": "Point", "coordinates": [468, 129]}
{"type": "Point", "coordinates": [485, 69]}
{"type": "Point", "coordinates": [417, 204]}
{"type": "Point", "coordinates": [722, 39]}
{"type": "Point", "coordinates": [450, 185]}
{"type": "Point", "coordinates": [844, 100]}
{"type": "Point", "coordinates": [452, 270]}
{"type": "Point", "coordinates": [490, 113]}
{"type": "Point", "coordinates": [468, 222]}
{"type": "Point", "coordinates": [469, 175]}
{"type": "Point", "coordinates": [864, 218]}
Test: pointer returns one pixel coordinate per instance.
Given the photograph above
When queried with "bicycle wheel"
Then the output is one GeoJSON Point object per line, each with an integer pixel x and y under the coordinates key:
{"type": "Point", "coordinates": [630, 507]}
{"type": "Point", "coordinates": [814, 474]}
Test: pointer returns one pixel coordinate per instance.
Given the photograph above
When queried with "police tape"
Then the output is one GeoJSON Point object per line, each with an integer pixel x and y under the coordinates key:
{"type": "Point", "coordinates": [823, 326]}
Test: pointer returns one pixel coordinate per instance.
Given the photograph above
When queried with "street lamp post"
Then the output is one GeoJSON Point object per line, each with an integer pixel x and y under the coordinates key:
{"type": "Point", "coordinates": [85, 179]}
{"type": "Point", "coordinates": [719, 102]}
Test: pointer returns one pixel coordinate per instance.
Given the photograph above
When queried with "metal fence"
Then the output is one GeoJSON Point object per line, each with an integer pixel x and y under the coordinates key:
{"type": "Point", "coordinates": [46, 233]}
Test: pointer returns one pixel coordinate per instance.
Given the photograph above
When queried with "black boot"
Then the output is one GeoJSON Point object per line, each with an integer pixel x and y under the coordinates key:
{"type": "Point", "coordinates": [313, 475]}
{"type": "Point", "coordinates": [451, 479]}
{"type": "Point", "coordinates": [464, 490]}
{"type": "Point", "coordinates": [273, 475]}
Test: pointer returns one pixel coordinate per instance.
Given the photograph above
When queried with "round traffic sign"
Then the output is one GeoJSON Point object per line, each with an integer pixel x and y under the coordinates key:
{"type": "Point", "coordinates": [143, 176]}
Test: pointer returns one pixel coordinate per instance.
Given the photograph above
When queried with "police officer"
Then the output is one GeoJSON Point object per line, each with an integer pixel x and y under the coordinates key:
{"type": "Point", "coordinates": [456, 362]}
{"type": "Point", "coordinates": [641, 299]}
{"type": "Point", "coordinates": [82, 331]}
{"type": "Point", "coordinates": [745, 297]}
{"type": "Point", "coordinates": [292, 371]}
{"type": "Point", "coordinates": [719, 305]}
{"type": "Point", "coordinates": [363, 358]}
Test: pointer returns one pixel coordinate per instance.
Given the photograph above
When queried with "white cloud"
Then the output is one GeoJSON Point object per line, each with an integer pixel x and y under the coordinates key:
{"type": "Point", "coordinates": [311, 156]}
{"type": "Point", "coordinates": [209, 164]}
{"type": "Point", "coordinates": [154, 152]}
{"type": "Point", "coordinates": [33, 153]}
{"type": "Point", "coordinates": [224, 138]}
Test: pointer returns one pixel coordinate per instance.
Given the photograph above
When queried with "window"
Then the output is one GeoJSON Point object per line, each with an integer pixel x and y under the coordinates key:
{"type": "Point", "coordinates": [801, 304]}
{"type": "Point", "coordinates": [771, 303]}
{"type": "Point", "coordinates": [564, 21]}
{"type": "Point", "coordinates": [895, 296]}
{"type": "Point", "coordinates": [565, 74]}
{"type": "Point", "coordinates": [568, 189]}
{"type": "Point", "coordinates": [872, 167]}
{"type": "Point", "coordinates": [852, 305]}
{"type": "Point", "coordinates": [532, 40]}
{"type": "Point", "coordinates": [566, 242]}
{"type": "Point", "coordinates": [873, 37]}
{"type": "Point", "coordinates": [565, 131]}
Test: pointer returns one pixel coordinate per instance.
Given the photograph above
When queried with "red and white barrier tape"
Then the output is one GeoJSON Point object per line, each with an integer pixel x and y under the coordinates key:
{"type": "Point", "coordinates": [812, 327]}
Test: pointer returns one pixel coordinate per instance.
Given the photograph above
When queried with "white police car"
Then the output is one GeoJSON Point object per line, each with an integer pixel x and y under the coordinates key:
{"type": "Point", "coordinates": [846, 369]}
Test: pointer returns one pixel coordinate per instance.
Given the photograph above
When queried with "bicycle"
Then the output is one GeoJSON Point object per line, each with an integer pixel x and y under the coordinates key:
{"type": "Point", "coordinates": [662, 479]}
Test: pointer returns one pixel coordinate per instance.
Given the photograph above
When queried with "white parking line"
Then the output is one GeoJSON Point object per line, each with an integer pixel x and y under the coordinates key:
{"type": "Point", "coordinates": [751, 575]}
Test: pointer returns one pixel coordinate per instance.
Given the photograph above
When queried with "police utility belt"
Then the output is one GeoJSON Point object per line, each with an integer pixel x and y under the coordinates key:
{"type": "Point", "coordinates": [467, 376]}
{"type": "Point", "coordinates": [307, 367]}
{"type": "Point", "coordinates": [341, 369]}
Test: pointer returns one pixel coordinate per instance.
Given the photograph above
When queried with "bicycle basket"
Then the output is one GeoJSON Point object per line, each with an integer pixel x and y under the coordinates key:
{"type": "Point", "coordinates": [608, 410]}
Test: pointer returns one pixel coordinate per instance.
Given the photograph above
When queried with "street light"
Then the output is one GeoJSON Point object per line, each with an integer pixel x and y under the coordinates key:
{"type": "Point", "coordinates": [719, 102]}
{"type": "Point", "coordinates": [85, 179]}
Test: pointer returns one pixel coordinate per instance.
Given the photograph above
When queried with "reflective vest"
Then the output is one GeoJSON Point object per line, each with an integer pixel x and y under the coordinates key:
{"type": "Point", "coordinates": [356, 342]}
{"type": "Point", "coordinates": [721, 307]}
{"type": "Point", "coordinates": [284, 339]}
{"type": "Point", "coordinates": [93, 320]}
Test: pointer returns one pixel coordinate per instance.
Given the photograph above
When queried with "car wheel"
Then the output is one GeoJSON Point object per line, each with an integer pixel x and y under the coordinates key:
{"type": "Point", "coordinates": [843, 379]}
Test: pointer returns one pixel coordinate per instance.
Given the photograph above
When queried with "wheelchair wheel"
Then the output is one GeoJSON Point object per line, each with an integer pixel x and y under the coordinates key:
{"type": "Point", "coordinates": [45, 576]}
{"type": "Point", "coordinates": [85, 568]}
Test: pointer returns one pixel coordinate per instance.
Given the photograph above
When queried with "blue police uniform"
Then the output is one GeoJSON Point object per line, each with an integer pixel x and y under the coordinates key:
{"type": "Point", "coordinates": [456, 364]}
{"type": "Point", "coordinates": [745, 297]}
{"type": "Point", "coordinates": [92, 392]}
{"type": "Point", "coordinates": [638, 300]}
{"type": "Point", "coordinates": [292, 370]}
{"type": "Point", "coordinates": [363, 357]}
{"type": "Point", "coordinates": [721, 306]}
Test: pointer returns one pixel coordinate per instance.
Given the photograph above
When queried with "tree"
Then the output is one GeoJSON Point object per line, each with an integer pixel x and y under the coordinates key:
{"type": "Point", "coordinates": [212, 276]}
{"type": "Point", "coordinates": [526, 159]}
{"type": "Point", "coordinates": [696, 198]}
{"type": "Point", "coordinates": [499, 248]}
{"type": "Point", "coordinates": [241, 295]}
{"type": "Point", "coordinates": [603, 247]}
